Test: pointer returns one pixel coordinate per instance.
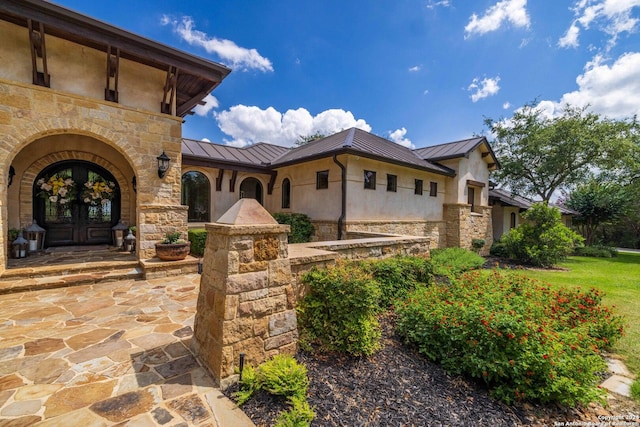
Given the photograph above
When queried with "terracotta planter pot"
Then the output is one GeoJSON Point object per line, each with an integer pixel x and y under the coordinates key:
{"type": "Point", "coordinates": [172, 251]}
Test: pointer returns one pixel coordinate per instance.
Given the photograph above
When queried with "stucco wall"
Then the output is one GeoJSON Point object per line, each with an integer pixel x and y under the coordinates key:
{"type": "Point", "coordinates": [501, 216]}
{"type": "Point", "coordinates": [321, 205]}
{"type": "Point", "coordinates": [79, 69]}
{"type": "Point", "coordinates": [380, 204]}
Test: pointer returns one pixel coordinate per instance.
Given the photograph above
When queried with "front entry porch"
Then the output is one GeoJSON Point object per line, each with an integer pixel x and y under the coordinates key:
{"type": "Point", "coordinates": [65, 266]}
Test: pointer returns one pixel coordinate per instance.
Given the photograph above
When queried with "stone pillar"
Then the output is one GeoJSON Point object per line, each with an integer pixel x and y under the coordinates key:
{"type": "Point", "coordinates": [246, 302]}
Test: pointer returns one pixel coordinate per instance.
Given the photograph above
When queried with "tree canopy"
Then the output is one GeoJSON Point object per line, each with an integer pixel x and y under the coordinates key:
{"type": "Point", "coordinates": [597, 204]}
{"type": "Point", "coordinates": [302, 140]}
{"type": "Point", "coordinates": [540, 154]}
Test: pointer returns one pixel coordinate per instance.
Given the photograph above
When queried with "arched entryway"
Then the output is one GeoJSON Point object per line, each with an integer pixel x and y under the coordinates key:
{"type": "Point", "coordinates": [251, 188]}
{"type": "Point", "coordinates": [77, 202]}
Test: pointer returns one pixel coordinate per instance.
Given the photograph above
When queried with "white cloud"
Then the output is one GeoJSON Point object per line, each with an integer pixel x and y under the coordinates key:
{"type": "Point", "coordinates": [426, 92]}
{"type": "Point", "coordinates": [570, 38]}
{"type": "Point", "coordinates": [230, 53]}
{"type": "Point", "coordinates": [506, 11]}
{"type": "Point", "coordinates": [397, 136]}
{"type": "Point", "coordinates": [506, 105]}
{"type": "Point", "coordinates": [250, 124]}
{"type": "Point", "coordinates": [205, 140]}
{"type": "Point", "coordinates": [211, 103]}
{"type": "Point", "coordinates": [415, 68]}
{"type": "Point", "coordinates": [484, 88]}
{"type": "Point", "coordinates": [433, 4]}
{"type": "Point", "coordinates": [612, 90]}
{"type": "Point", "coordinates": [613, 17]}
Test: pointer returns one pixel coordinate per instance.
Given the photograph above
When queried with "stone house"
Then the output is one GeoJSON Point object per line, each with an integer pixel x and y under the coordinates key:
{"type": "Point", "coordinates": [91, 134]}
{"type": "Point", "coordinates": [348, 183]}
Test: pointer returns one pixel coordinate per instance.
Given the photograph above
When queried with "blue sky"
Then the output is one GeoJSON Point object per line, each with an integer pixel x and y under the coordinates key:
{"type": "Point", "coordinates": [419, 72]}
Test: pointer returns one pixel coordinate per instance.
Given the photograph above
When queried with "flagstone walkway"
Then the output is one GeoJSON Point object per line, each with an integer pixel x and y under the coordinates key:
{"type": "Point", "coordinates": [107, 354]}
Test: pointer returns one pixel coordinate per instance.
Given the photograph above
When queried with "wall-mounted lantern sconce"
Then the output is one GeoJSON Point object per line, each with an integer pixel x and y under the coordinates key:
{"type": "Point", "coordinates": [134, 183]}
{"type": "Point", "coordinates": [163, 164]}
{"type": "Point", "coordinates": [12, 173]}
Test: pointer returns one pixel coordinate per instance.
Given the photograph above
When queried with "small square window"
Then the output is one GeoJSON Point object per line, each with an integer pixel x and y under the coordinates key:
{"type": "Point", "coordinates": [369, 180]}
{"type": "Point", "coordinates": [392, 183]}
{"type": "Point", "coordinates": [433, 189]}
{"type": "Point", "coordinates": [418, 188]}
{"type": "Point", "coordinates": [322, 180]}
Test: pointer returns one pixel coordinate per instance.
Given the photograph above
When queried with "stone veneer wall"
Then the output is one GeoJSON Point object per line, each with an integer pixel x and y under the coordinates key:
{"type": "Point", "coordinates": [435, 230]}
{"type": "Point", "coordinates": [246, 302]}
{"type": "Point", "coordinates": [463, 226]}
{"type": "Point", "coordinates": [31, 112]}
{"type": "Point", "coordinates": [306, 256]}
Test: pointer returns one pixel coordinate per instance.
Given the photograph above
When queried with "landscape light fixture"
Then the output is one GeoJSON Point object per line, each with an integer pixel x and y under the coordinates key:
{"type": "Point", "coordinates": [163, 164]}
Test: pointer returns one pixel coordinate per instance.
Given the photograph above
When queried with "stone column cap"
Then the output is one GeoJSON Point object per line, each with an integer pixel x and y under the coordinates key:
{"type": "Point", "coordinates": [247, 212]}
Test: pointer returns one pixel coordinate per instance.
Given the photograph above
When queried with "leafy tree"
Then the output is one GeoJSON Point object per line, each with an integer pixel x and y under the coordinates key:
{"type": "Point", "coordinates": [541, 154]}
{"type": "Point", "coordinates": [597, 204]}
{"type": "Point", "coordinates": [302, 140]}
{"type": "Point", "coordinates": [542, 239]}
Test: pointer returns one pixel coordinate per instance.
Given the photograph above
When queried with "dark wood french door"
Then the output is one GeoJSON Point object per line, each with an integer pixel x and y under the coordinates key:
{"type": "Point", "coordinates": [77, 218]}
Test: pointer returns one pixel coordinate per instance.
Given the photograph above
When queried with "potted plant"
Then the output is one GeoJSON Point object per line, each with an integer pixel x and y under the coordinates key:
{"type": "Point", "coordinates": [172, 248]}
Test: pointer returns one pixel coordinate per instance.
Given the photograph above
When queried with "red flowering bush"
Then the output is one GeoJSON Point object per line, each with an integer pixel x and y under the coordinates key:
{"type": "Point", "coordinates": [525, 340]}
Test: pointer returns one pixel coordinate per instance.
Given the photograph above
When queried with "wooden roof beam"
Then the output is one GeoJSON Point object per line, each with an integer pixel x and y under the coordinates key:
{"type": "Point", "coordinates": [38, 49]}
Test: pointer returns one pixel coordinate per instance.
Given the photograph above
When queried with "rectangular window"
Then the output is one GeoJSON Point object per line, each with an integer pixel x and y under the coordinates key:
{"type": "Point", "coordinates": [471, 197]}
{"type": "Point", "coordinates": [418, 187]}
{"type": "Point", "coordinates": [322, 180]}
{"type": "Point", "coordinates": [433, 189]}
{"type": "Point", "coordinates": [392, 182]}
{"type": "Point", "coordinates": [369, 180]}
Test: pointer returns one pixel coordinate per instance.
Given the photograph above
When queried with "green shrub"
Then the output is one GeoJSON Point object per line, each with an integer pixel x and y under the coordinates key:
{"type": "Point", "coordinates": [451, 262]}
{"type": "Point", "coordinates": [301, 227]}
{"type": "Point", "coordinates": [398, 276]}
{"type": "Point", "coordinates": [499, 249]}
{"type": "Point", "coordinates": [477, 244]}
{"type": "Point", "coordinates": [597, 251]}
{"type": "Point", "coordinates": [198, 239]}
{"type": "Point", "coordinates": [282, 376]}
{"type": "Point", "coordinates": [526, 341]}
{"type": "Point", "coordinates": [635, 390]}
{"type": "Point", "coordinates": [339, 311]}
{"type": "Point", "coordinates": [542, 240]}
{"type": "Point", "coordinates": [300, 414]}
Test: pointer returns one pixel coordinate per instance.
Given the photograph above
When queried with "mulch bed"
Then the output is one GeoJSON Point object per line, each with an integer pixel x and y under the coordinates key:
{"type": "Point", "coordinates": [398, 387]}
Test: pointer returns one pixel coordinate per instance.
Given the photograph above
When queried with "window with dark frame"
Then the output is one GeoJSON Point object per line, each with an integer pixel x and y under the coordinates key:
{"type": "Point", "coordinates": [471, 197]}
{"type": "Point", "coordinates": [286, 193]}
{"type": "Point", "coordinates": [418, 187]}
{"type": "Point", "coordinates": [392, 182]}
{"type": "Point", "coordinates": [513, 220]}
{"type": "Point", "coordinates": [369, 180]}
{"type": "Point", "coordinates": [322, 180]}
{"type": "Point", "coordinates": [433, 189]}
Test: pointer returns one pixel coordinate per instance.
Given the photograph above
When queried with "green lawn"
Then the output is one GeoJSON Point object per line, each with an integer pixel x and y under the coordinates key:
{"type": "Point", "coordinates": [619, 278]}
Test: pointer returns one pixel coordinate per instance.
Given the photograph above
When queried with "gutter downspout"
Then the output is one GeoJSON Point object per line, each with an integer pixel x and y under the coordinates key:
{"type": "Point", "coordinates": [343, 211]}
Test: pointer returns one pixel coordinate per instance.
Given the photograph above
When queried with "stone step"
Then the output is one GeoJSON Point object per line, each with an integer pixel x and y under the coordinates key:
{"type": "Point", "coordinates": [12, 281]}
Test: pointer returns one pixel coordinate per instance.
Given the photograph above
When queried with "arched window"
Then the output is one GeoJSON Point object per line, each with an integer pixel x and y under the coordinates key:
{"type": "Point", "coordinates": [286, 193]}
{"type": "Point", "coordinates": [196, 193]}
{"type": "Point", "coordinates": [251, 188]}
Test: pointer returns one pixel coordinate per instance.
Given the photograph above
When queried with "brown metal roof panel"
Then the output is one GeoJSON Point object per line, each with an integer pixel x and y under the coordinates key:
{"type": "Point", "coordinates": [449, 150]}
